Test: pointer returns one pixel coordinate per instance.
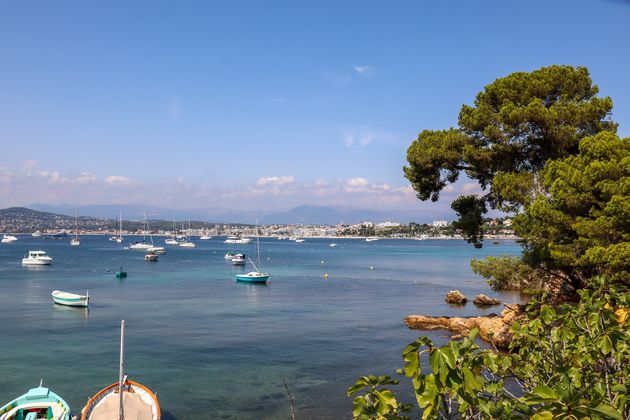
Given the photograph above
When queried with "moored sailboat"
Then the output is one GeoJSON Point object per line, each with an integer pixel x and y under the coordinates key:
{"type": "Point", "coordinates": [76, 241]}
{"type": "Point", "coordinates": [122, 399]}
{"type": "Point", "coordinates": [257, 276]}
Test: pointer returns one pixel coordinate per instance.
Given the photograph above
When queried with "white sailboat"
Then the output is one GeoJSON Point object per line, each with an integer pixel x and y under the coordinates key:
{"type": "Point", "coordinates": [76, 241]}
{"type": "Point", "coordinates": [173, 239]}
{"type": "Point", "coordinates": [143, 245]}
{"type": "Point", "coordinates": [187, 243]}
{"type": "Point", "coordinates": [118, 238]}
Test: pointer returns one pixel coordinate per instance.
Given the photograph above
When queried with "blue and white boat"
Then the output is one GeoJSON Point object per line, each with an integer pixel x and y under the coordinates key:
{"type": "Point", "coordinates": [37, 403]}
{"type": "Point", "coordinates": [257, 276]}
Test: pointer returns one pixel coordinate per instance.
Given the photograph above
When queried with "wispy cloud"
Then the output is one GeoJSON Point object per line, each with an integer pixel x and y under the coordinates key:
{"type": "Point", "coordinates": [360, 136]}
{"type": "Point", "coordinates": [275, 180]}
{"type": "Point", "coordinates": [117, 180]}
{"type": "Point", "coordinates": [364, 71]}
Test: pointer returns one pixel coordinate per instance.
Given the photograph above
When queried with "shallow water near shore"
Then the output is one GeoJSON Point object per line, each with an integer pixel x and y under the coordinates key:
{"type": "Point", "coordinates": [214, 348]}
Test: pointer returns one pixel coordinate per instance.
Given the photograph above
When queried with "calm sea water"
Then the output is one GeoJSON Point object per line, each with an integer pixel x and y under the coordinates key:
{"type": "Point", "coordinates": [214, 348]}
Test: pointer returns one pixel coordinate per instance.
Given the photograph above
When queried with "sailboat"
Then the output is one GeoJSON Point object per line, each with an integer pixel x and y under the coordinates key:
{"type": "Point", "coordinates": [76, 241]}
{"type": "Point", "coordinates": [254, 276]}
{"type": "Point", "coordinates": [173, 239]}
{"type": "Point", "coordinates": [143, 245]}
{"type": "Point", "coordinates": [187, 243]}
{"type": "Point", "coordinates": [118, 238]}
{"type": "Point", "coordinates": [122, 399]}
{"type": "Point", "coordinates": [37, 403]}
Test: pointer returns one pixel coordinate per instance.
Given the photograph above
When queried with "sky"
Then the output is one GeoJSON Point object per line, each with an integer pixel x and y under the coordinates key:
{"type": "Point", "coordinates": [266, 104]}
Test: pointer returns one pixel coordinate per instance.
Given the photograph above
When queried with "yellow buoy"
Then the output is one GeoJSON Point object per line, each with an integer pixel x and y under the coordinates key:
{"type": "Point", "coordinates": [326, 275]}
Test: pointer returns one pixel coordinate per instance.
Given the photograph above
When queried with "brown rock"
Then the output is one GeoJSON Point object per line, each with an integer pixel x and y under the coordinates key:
{"type": "Point", "coordinates": [455, 296]}
{"type": "Point", "coordinates": [483, 300]}
{"type": "Point", "coordinates": [493, 328]}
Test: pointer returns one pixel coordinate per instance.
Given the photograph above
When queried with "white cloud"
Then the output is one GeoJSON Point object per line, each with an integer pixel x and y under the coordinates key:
{"type": "Point", "coordinates": [84, 178]}
{"type": "Point", "coordinates": [117, 180]}
{"type": "Point", "coordinates": [361, 136]}
{"type": "Point", "coordinates": [275, 180]}
{"type": "Point", "coordinates": [357, 182]}
{"type": "Point", "coordinates": [470, 188]}
{"type": "Point", "coordinates": [364, 71]}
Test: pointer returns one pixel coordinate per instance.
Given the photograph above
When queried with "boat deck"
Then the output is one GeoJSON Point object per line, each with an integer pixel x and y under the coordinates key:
{"type": "Point", "coordinates": [136, 408]}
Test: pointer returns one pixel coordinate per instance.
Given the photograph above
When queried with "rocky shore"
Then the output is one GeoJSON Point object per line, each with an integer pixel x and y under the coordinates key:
{"type": "Point", "coordinates": [492, 328]}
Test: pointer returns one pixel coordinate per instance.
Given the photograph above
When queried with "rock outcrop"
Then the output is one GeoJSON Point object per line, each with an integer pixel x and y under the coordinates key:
{"type": "Point", "coordinates": [483, 300]}
{"type": "Point", "coordinates": [493, 328]}
{"type": "Point", "coordinates": [455, 296]}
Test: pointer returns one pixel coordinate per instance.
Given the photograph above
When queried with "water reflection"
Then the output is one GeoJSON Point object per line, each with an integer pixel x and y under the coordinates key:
{"type": "Point", "coordinates": [70, 312]}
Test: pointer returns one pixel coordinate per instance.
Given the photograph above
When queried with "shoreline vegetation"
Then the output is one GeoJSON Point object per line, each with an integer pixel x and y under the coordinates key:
{"type": "Point", "coordinates": [543, 146]}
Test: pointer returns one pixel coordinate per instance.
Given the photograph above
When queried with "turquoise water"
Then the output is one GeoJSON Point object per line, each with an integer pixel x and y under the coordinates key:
{"type": "Point", "coordinates": [214, 348]}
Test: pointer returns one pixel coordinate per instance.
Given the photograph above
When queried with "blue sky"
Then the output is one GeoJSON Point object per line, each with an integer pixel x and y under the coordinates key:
{"type": "Point", "coordinates": [265, 104]}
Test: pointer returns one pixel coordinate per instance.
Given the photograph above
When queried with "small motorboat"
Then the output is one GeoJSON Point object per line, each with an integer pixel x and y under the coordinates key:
{"type": "Point", "coordinates": [122, 399]}
{"type": "Point", "coordinates": [140, 246]}
{"type": "Point", "coordinates": [36, 234]}
{"type": "Point", "coordinates": [75, 242]}
{"type": "Point", "coordinates": [238, 240]}
{"type": "Point", "coordinates": [70, 299]}
{"type": "Point", "coordinates": [7, 239]}
{"type": "Point", "coordinates": [171, 241]}
{"type": "Point", "coordinates": [299, 241]}
{"type": "Point", "coordinates": [151, 256]}
{"type": "Point", "coordinates": [37, 403]}
{"type": "Point", "coordinates": [333, 245]}
{"type": "Point", "coordinates": [187, 244]}
{"type": "Point", "coordinates": [371, 239]}
{"type": "Point", "coordinates": [37, 258]}
{"type": "Point", "coordinates": [160, 250]}
{"type": "Point", "coordinates": [239, 259]}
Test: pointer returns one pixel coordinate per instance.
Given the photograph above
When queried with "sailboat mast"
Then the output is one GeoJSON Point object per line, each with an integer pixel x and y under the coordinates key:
{"type": "Point", "coordinates": [76, 223]}
{"type": "Point", "coordinates": [121, 411]}
{"type": "Point", "coordinates": [258, 247]}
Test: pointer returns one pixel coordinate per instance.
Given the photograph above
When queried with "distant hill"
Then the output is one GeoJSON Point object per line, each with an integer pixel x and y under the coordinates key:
{"type": "Point", "coordinates": [305, 214]}
{"type": "Point", "coordinates": [22, 219]}
{"type": "Point", "coordinates": [308, 215]}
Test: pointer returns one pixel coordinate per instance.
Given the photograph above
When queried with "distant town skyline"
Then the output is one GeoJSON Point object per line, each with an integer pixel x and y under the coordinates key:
{"type": "Point", "coordinates": [266, 105]}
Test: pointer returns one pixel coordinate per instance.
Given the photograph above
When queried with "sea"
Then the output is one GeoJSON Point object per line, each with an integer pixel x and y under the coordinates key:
{"type": "Point", "coordinates": [214, 348]}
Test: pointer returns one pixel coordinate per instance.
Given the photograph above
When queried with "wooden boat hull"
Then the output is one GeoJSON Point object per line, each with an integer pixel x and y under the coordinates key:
{"type": "Point", "coordinates": [104, 404]}
{"type": "Point", "coordinates": [70, 299]}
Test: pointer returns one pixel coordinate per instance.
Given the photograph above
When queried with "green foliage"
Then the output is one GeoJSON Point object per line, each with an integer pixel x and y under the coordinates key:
{"type": "Point", "coordinates": [569, 362]}
{"type": "Point", "coordinates": [515, 126]}
{"type": "Point", "coordinates": [377, 403]}
{"type": "Point", "coordinates": [509, 273]}
{"type": "Point", "coordinates": [581, 228]}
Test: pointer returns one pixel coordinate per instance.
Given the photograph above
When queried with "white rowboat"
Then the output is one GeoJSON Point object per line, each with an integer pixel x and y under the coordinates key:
{"type": "Point", "coordinates": [70, 299]}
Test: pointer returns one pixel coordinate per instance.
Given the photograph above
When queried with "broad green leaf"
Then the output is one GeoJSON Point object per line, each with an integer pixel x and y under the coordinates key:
{"type": "Point", "coordinates": [606, 412]}
{"type": "Point", "coordinates": [543, 415]}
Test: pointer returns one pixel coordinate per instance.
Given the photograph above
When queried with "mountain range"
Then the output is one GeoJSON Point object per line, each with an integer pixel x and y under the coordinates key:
{"type": "Point", "coordinates": [330, 215]}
